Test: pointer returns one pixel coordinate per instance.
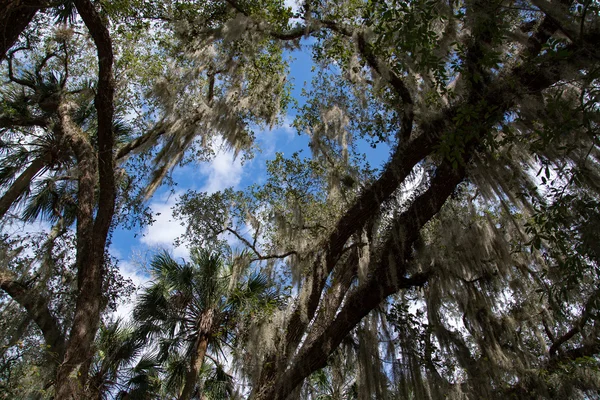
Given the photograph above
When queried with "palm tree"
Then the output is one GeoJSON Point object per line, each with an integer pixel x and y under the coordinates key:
{"type": "Point", "coordinates": [192, 309]}
{"type": "Point", "coordinates": [117, 349]}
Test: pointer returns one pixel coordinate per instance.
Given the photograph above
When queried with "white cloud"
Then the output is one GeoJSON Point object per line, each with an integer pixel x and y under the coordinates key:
{"type": "Point", "coordinates": [224, 171]}
{"type": "Point", "coordinates": [287, 127]}
{"type": "Point", "coordinates": [165, 229]}
{"type": "Point", "coordinates": [139, 277]}
{"type": "Point", "coordinates": [268, 139]}
{"type": "Point", "coordinates": [295, 4]}
{"type": "Point", "coordinates": [135, 272]}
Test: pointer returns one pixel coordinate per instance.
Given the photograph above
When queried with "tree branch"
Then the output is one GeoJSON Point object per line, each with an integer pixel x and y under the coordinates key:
{"type": "Point", "coordinates": [14, 18]}
{"type": "Point", "coordinates": [139, 143]}
{"type": "Point", "coordinates": [274, 256]}
{"type": "Point", "coordinates": [589, 306]}
{"type": "Point", "coordinates": [388, 276]}
{"type": "Point", "coordinates": [37, 309]}
{"type": "Point", "coordinates": [104, 104]}
{"type": "Point", "coordinates": [91, 238]}
{"type": "Point", "coordinates": [259, 256]}
{"type": "Point", "coordinates": [24, 122]}
{"type": "Point", "coordinates": [12, 77]}
{"type": "Point", "coordinates": [558, 12]}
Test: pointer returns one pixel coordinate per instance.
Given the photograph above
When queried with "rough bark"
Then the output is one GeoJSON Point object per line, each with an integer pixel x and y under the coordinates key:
{"type": "Point", "coordinates": [389, 274]}
{"type": "Point", "coordinates": [200, 346]}
{"type": "Point", "coordinates": [196, 364]}
{"type": "Point", "coordinates": [89, 271]}
{"type": "Point", "coordinates": [91, 233]}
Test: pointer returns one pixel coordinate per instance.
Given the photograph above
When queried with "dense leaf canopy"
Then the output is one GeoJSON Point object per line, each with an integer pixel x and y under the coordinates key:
{"type": "Point", "coordinates": [465, 266]}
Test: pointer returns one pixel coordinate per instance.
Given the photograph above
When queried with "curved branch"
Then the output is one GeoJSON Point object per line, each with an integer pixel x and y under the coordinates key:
{"type": "Point", "coordinates": [139, 143]}
{"type": "Point", "coordinates": [388, 276]}
{"type": "Point", "coordinates": [589, 306]}
{"type": "Point", "coordinates": [37, 309]}
{"type": "Point", "coordinates": [92, 233]}
{"type": "Point", "coordinates": [259, 256]}
{"type": "Point", "coordinates": [104, 104]}
{"type": "Point", "coordinates": [14, 18]}
{"type": "Point", "coordinates": [11, 77]}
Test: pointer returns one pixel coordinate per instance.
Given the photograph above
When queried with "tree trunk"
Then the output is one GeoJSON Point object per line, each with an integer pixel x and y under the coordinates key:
{"type": "Point", "coordinates": [91, 233]}
{"type": "Point", "coordinates": [20, 185]}
{"type": "Point", "coordinates": [89, 261]}
{"type": "Point", "coordinates": [15, 15]}
{"type": "Point", "coordinates": [195, 365]}
{"type": "Point", "coordinates": [204, 328]}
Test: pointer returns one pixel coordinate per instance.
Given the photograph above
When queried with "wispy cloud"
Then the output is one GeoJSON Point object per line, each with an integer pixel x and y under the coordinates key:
{"type": "Point", "coordinates": [295, 4]}
{"type": "Point", "coordinates": [138, 275]}
{"type": "Point", "coordinates": [224, 171]}
{"type": "Point", "coordinates": [165, 229]}
{"type": "Point", "coordinates": [271, 139]}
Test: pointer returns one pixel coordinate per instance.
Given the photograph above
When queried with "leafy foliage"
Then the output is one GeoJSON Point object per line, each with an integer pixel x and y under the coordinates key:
{"type": "Point", "coordinates": [464, 266]}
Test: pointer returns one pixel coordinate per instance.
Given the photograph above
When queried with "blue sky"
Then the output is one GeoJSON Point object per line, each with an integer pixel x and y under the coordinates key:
{"type": "Point", "coordinates": [134, 248]}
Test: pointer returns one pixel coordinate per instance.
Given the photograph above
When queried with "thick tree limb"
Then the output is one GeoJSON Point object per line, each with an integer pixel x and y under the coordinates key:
{"type": "Point", "coordinates": [92, 233]}
{"type": "Point", "coordinates": [368, 203]}
{"type": "Point", "coordinates": [37, 309]}
{"type": "Point", "coordinates": [17, 121]}
{"type": "Point", "coordinates": [558, 13]}
{"type": "Point", "coordinates": [590, 305]}
{"type": "Point", "coordinates": [138, 143]}
{"type": "Point", "coordinates": [15, 15]}
{"type": "Point", "coordinates": [104, 104]}
{"type": "Point", "coordinates": [388, 276]}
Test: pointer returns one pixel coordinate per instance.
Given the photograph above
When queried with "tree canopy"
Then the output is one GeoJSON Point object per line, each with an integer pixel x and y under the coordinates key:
{"type": "Point", "coordinates": [466, 266]}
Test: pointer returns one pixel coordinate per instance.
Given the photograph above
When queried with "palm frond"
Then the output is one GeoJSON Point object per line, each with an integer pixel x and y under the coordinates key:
{"type": "Point", "coordinates": [209, 285]}
{"type": "Point", "coordinates": [50, 201]}
{"type": "Point", "coordinates": [257, 291]}
{"type": "Point", "coordinates": [167, 346]}
{"type": "Point", "coordinates": [144, 380]}
{"type": "Point", "coordinates": [176, 370]}
{"type": "Point", "coordinates": [181, 293]}
{"type": "Point", "coordinates": [152, 304]}
{"type": "Point", "coordinates": [218, 384]}
{"type": "Point", "coordinates": [164, 268]}
{"type": "Point", "coordinates": [8, 173]}
{"type": "Point", "coordinates": [122, 131]}
{"type": "Point", "coordinates": [65, 12]}
{"type": "Point", "coordinates": [85, 113]}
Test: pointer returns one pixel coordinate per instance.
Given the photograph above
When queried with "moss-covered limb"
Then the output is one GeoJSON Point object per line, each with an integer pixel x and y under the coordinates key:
{"type": "Point", "coordinates": [91, 232]}
{"type": "Point", "coordinates": [590, 305]}
{"type": "Point", "coordinates": [499, 94]}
